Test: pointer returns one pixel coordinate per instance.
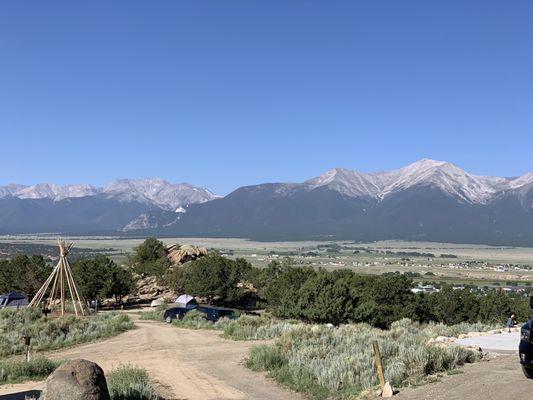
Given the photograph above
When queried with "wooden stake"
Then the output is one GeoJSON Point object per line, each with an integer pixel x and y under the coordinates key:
{"type": "Point", "coordinates": [379, 365]}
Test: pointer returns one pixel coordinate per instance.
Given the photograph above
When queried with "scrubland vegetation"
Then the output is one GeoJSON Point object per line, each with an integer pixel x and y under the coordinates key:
{"type": "Point", "coordinates": [336, 362]}
{"type": "Point", "coordinates": [16, 370]}
{"type": "Point", "coordinates": [154, 315]}
{"type": "Point", "coordinates": [54, 333]}
{"type": "Point", "coordinates": [130, 383]}
{"type": "Point", "coordinates": [327, 361]}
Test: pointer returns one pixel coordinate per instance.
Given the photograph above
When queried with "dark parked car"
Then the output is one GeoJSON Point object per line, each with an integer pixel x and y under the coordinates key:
{"type": "Point", "coordinates": [526, 346]}
{"type": "Point", "coordinates": [211, 313]}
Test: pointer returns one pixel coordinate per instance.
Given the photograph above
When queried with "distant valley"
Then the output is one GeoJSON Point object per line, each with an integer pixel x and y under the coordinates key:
{"type": "Point", "coordinates": [428, 200]}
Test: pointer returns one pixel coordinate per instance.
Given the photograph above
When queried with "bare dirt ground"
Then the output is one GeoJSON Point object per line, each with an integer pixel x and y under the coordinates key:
{"type": "Point", "coordinates": [500, 378]}
{"type": "Point", "coordinates": [185, 364]}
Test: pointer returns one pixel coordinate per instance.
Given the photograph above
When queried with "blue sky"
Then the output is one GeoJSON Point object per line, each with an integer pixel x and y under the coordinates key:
{"type": "Point", "coordinates": [228, 93]}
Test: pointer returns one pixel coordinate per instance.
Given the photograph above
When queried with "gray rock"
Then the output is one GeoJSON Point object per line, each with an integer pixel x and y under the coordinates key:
{"type": "Point", "coordinates": [77, 380]}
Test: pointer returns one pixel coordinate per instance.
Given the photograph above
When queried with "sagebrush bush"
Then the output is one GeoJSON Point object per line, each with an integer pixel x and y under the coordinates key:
{"type": "Point", "coordinates": [130, 383]}
{"type": "Point", "coordinates": [195, 320]}
{"type": "Point", "coordinates": [339, 361]}
{"type": "Point", "coordinates": [53, 333]}
{"type": "Point", "coordinates": [155, 315]}
{"type": "Point", "coordinates": [12, 371]}
{"type": "Point", "coordinates": [256, 328]}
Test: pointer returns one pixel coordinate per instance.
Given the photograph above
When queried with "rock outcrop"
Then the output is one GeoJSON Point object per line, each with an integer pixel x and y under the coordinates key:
{"type": "Point", "coordinates": [149, 290]}
{"type": "Point", "coordinates": [184, 253]}
{"type": "Point", "coordinates": [77, 380]}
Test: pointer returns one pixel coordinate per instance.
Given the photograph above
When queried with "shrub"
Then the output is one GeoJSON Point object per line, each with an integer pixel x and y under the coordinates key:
{"type": "Point", "coordinates": [54, 333]}
{"type": "Point", "coordinates": [332, 362]}
{"type": "Point", "coordinates": [194, 320]}
{"type": "Point", "coordinates": [154, 315]}
{"type": "Point", "coordinates": [254, 328]}
{"type": "Point", "coordinates": [12, 371]}
{"type": "Point", "coordinates": [265, 358]}
{"type": "Point", "coordinates": [130, 383]}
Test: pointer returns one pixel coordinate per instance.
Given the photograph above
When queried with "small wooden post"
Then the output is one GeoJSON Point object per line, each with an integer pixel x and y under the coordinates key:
{"type": "Point", "coordinates": [27, 340]}
{"type": "Point", "coordinates": [379, 365]}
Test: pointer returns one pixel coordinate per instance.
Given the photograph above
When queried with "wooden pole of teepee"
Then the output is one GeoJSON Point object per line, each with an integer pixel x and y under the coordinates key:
{"type": "Point", "coordinates": [71, 290]}
{"type": "Point", "coordinates": [76, 294]}
{"type": "Point", "coordinates": [62, 286]}
{"type": "Point", "coordinates": [51, 300]}
{"type": "Point", "coordinates": [42, 290]}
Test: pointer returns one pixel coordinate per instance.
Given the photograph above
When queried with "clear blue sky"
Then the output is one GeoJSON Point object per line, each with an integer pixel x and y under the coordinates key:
{"type": "Point", "coordinates": [227, 93]}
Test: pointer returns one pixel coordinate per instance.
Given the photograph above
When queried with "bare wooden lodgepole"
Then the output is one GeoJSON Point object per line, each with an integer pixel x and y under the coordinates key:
{"type": "Point", "coordinates": [60, 280]}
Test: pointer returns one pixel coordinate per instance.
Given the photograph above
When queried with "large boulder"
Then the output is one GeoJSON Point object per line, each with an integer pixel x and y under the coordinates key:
{"type": "Point", "coordinates": [77, 380]}
{"type": "Point", "coordinates": [179, 255]}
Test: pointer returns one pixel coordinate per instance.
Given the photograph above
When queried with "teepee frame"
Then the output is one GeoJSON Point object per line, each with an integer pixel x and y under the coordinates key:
{"type": "Point", "coordinates": [61, 278]}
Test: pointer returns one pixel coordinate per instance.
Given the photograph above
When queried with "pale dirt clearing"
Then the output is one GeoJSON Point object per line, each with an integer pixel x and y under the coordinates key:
{"type": "Point", "coordinates": [185, 364]}
{"type": "Point", "coordinates": [500, 378]}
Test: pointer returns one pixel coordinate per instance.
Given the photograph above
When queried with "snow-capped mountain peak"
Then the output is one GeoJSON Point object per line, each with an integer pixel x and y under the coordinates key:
{"type": "Point", "coordinates": [445, 176]}
{"type": "Point", "coordinates": [55, 192]}
{"type": "Point", "coordinates": [154, 191]}
{"type": "Point", "coordinates": [348, 182]}
{"type": "Point", "coordinates": [521, 181]}
{"type": "Point", "coordinates": [449, 178]}
{"type": "Point", "coordinates": [167, 195]}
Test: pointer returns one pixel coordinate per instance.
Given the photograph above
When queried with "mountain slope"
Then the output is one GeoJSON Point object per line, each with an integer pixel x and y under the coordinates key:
{"type": "Point", "coordinates": [427, 200]}
{"type": "Point", "coordinates": [79, 215]}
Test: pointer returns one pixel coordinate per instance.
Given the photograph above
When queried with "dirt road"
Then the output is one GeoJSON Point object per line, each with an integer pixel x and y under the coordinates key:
{"type": "Point", "coordinates": [498, 379]}
{"type": "Point", "coordinates": [185, 364]}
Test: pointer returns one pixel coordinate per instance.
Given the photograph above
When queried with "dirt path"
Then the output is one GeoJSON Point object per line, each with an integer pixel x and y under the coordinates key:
{"type": "Point", "coordinates": [498, 379]}
{"type": "Point", "coordinates": [185, 364]}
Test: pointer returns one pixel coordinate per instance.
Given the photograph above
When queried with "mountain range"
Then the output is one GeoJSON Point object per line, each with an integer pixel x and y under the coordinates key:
{"type": "Point", "coordinates": [89, 209]}
{"type": "Point", "coordinates": [427, 200]}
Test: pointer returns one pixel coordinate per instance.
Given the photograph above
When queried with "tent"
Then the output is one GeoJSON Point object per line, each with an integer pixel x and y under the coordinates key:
{"type": "Point", "coordinates": [13, 299]}
{"type": "Point", "coordinates": [187, 301]}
